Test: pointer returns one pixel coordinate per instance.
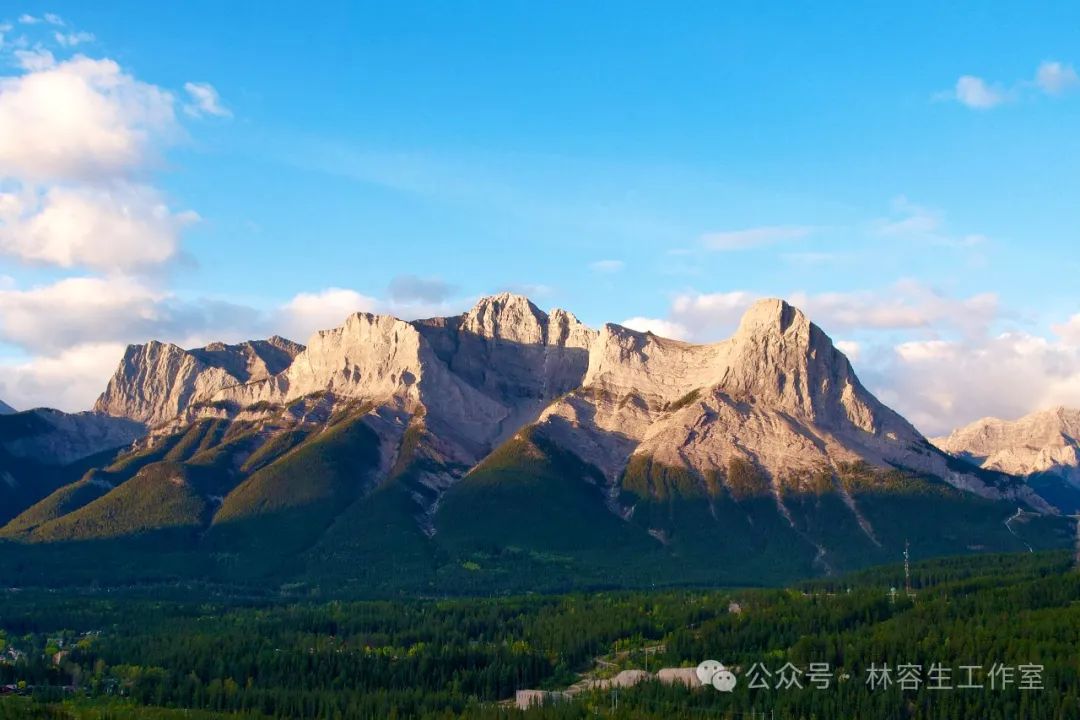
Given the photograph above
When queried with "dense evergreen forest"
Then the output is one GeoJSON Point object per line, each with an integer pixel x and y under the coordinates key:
{"type": "Point", "coordinates": [189, 653]}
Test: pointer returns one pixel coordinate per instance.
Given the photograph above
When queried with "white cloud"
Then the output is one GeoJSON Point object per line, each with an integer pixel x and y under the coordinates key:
{"type": "Point", "coordinates": [76, 330]}
{"type": "Point", "coordinates": [70, 380]}
{"type": "Point", "coordinates": [84, 310]}
{"type": "Point", "coordinates": [81, 119]}
{"type": "Point", "coordinates": [27, 19]}
{"type": "Point", "coordinates": [1054, 78]}
{"type": "Point", "coordinates": [122, 227]}
{"type": "Point", "coordinates": [607, 266]}
{"type": "Point", "coordinates": [78, 138]}
{"type": "Point", "coordinates": [77, 311]}
{"type": "Point", "coordinates": [754, 237]}
{"type": "Point", "coordinates": [906, 305]}
{"type": "Point", "coordinates": [35, 60]}
{"type": "Point", "coordinates": [71, 39]}
{"type": "Point", "coordinates": [309, 312]}
{"type": "Point", "coordinates": [931, 356]}
{"type": "Point", "coordinates": [709, 316]}
{"type": "Point", "coordinates": [940, 385]}
{"type": "Point", "coordinates": [1069, 331]}
{"type": "Point", "coordinates": [974, 92]}
{"type": "Point", "coordinates": [204, 101]}
{"type": "Point", "coordinates": [53, 19]}
{"type": "Point", "coordinates": [657, 326]}
{"type": "Point", "coordinates": [851, 348]}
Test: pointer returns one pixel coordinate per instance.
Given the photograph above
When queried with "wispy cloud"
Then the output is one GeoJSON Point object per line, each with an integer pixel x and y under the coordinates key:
{"type": "Point", "coordinates": [607, 266]}
{"type": "Point", "coordinates": [72, 39]}
{"type": "Point", "coordinates": [657, 326]}
{"type": "Point", "coordinates": [1052, 77]}
{"type": "Point", "coordinates": [205, 100]}
{"type": "Point", "coordinates": [977, 93]}
{"type": "Point", "coordinates": [50, 18]}
{"type": "Point", "coordinates": [903, 306]}
{"type": "Point", "coordinates": [754, 237]}
{"type": "Point", "coordinates": [909, 220]}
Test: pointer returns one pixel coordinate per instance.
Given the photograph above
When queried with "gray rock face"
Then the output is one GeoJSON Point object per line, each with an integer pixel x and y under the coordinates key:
{"type": "Point", "coordinates": [51, 437]}
{"type": "Point", "coordinates": [157, 381]}
{"type": "Point", "coordinates": [777, 393]}
{"type": "Point", "coordinates": [512, 352]}
{"type": "Point", "coordinates": [1042, 442]}
{"type": "Point", "coordinates": [476, 378]}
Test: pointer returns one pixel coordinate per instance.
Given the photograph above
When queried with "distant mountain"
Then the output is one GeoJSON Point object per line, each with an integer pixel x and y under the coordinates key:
{"type": "Point", "coordinates": [43, 449]}
{"type": "Point", "coordinates": [513, 449]}
{"type": "Point", "coordinates": [1043, 447]}
{"type": "Point", "coordinates": [5, 409]}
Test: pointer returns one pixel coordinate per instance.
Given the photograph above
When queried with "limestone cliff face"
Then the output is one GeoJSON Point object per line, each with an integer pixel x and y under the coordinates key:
{"type": "Point", "coordinates": [510, 351]}
{"type": "Point", "coordinates": [157, 381]}
{"type": "Point", "coordinates": [777, 393]}
{"type": "Point", "coordinates": [476, 378]}
{"type": "Point", "coordinates": [1045, 441]}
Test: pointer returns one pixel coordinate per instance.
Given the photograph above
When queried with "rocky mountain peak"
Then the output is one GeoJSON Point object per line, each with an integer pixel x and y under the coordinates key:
{"type": "Point", "coordinates": [779, 357]}
{"type": "Point", "coordinates": [772, 316]}
{"type": "Point", "coordinates": [507, 316]}
{"type": "Point", "coordinates": [6, 409]}
{"type": "Point", "coordinates": [370, 356]}
{"type": "Point", "coordinates": [777, 394]}
{"type": "Point", "coordinates": [156, 381]}
{"type": "Point", "coordinates": [1043, 441]}
{"type": "Point", "coordinates": [658, 369]}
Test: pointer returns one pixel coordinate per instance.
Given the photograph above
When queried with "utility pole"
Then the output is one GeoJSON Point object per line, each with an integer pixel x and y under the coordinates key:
{"type": "Point", "coordinates": [907, 569]}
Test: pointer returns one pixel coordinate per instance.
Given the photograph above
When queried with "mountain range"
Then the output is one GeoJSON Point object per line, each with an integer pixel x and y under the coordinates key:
{"type": "Point", "coordinates": [504, 449]}
{"type": "Point", "coordinates": [1043, 447]}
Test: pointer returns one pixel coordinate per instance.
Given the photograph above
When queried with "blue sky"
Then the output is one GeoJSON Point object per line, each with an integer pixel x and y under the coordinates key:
{"type": "Point", "coordinates": [907, 174]}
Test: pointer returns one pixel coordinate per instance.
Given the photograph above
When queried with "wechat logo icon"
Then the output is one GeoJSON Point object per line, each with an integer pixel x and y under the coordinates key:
{"type": "Point", "coordinates": [713, 673]}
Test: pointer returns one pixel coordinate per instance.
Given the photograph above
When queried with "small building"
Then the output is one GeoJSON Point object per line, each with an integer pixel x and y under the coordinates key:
{"type": "Point", "coordinates": [734, 608]}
